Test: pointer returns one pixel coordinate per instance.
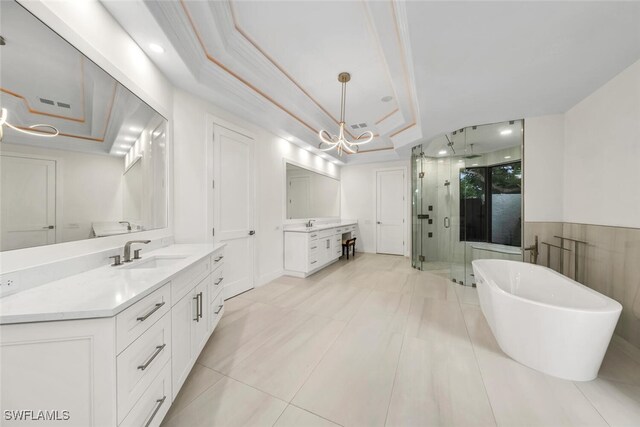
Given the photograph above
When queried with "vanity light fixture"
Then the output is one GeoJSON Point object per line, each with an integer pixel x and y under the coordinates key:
{"type": "Point", "coordinates": [506, 132]}
{"type": "Point", "coordinates": [35, 132]}
{"type": "Point", "coordinates": [339, 142]}
{"type": "Point", "coordinates": [156, 48]}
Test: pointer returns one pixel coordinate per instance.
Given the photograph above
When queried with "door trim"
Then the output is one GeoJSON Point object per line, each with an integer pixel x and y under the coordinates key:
{"type": "Point", "coordinates": [404, 207]}
{"type": "Point", "coordinates": [59, 167]}
{"type": "Point", "coordinates": [213, 193]}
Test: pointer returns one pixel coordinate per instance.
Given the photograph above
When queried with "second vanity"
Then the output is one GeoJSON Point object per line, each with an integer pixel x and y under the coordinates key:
{"type": "Point", "coordinates": [111, 346]}
{"type": "Point", "coordinates": [309, 249]}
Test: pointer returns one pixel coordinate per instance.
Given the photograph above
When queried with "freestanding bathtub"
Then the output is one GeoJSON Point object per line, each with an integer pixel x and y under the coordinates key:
{"type": "Point", "coordinates": [545, 320]}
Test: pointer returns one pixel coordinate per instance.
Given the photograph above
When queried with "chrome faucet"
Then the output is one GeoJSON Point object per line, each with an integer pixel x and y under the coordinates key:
{"type": "Point", "coordinates": [309, 223]}
{"type": "Point", "coordinates": [533, 256]}
{"type": "Point", "coordinates": [126, 222]}
{"type": "Point", "coordinates": [127, 248]}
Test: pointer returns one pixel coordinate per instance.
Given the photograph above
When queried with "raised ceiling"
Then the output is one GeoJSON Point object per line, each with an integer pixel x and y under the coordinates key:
{"type": "Point", "coordinates": [446, 65]}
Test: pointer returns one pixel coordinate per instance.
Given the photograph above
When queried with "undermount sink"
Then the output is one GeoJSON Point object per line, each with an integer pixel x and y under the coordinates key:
{"type": "Point", "coordinates": [156, 262]}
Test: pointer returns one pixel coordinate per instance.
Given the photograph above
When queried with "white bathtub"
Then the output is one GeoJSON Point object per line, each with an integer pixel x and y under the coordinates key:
{"type": "Point", "coordinates": [545, 320]}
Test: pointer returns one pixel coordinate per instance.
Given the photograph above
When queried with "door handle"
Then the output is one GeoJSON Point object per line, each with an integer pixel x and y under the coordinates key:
{"type": "Point", "coordinates": [447, 222]}
{"type": "Point", "coordinates": [252, 232]}
{"type": "Point", "coordinates": [49, 227]}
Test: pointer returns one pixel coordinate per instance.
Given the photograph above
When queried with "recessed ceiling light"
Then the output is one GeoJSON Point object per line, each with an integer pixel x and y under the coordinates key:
{"type": "Point", "coordinates": [460, 161]}
{"type": "Point", "coordinates": [124, 146]}
{"type": "Point", "coordinates": [386, 98]}
{"type": "Point", "coordinates": [506, 132]}
{"type": "Point", "coordinates": [135, 129]}
{"type": "Point", "coordinates": [475, 164]}
{"type": "Point", "coordinates": [507, 157]}
{"type": "Point", "coordinates": [129, 138]}
{"type": "Point", "coordinates": [120, 153]}
{"type": "Point", "coordinates": [441, 152]}
{"type": "Point", "coordinates": [156, 48]}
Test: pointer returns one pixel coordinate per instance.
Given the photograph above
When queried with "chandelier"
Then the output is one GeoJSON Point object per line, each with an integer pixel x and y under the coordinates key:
{"type": "Point", "coordinates": [339, 142]}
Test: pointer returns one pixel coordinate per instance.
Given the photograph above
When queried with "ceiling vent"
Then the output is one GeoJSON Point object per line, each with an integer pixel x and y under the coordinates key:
{"type": "Point", "coordinates": [50, 102]}
{"type": "Point", "coordinates": [359, 125]}
{"type": "Point", "coordinates": [63, 105]}
{"type": "Point", "coordinates": [47, 101]}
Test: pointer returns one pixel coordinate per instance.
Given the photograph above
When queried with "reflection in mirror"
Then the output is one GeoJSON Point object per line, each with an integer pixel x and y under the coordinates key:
{"type": "Point", "coordinates": [81, 156]}
{"type": "Point", "coordinates": [467, 198]}
{"type": "Point", "coordinates": [311, 194]}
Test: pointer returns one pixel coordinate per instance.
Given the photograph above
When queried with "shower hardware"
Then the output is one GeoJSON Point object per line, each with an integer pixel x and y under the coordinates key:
{"type": "Point", "coordinates": [576, 250]}
{"type": "Point", "coordinates": [535, 251]}
{"type": "Point", "coordinates": [446, 183]}
{"type": "Point", "coordinates": [450, 143]}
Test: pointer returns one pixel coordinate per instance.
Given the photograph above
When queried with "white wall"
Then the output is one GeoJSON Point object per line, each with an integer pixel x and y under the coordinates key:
{"type": "Point", "coordinates": [602, 150]}
{"type": "Point", "coordinates": [358, 200]}
{"type": "Point", "coordinates": [91, 28]}
{"type": "Point", "coordinates": [543, 168]}
{"type": "Point", "coordinates": [191, 117]}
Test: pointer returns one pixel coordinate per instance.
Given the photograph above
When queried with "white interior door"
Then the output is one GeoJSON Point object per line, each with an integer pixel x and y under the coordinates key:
{"type": "Point", "coordinates": [390, 212]}
{"type": "Point", "coordinates": [234, 209]}
{"type": "Point", "coordinates": [299, 188]}
{"type": "Point", "coordinates": [28, 191]}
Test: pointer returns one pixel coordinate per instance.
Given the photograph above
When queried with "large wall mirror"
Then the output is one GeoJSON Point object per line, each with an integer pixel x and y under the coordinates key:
{"type": "Point", "coordinates": [81, 156]}
{"type": "Point", "coordinates": [311, 194]}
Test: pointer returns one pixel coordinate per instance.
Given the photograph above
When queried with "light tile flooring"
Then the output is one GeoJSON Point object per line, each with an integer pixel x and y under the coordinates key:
{"type": "Point", "coordinates": [372, 342]}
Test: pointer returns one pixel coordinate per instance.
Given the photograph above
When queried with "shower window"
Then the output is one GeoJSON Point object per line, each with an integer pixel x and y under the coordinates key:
{"type": "Point", "coordinates": [493, 219]}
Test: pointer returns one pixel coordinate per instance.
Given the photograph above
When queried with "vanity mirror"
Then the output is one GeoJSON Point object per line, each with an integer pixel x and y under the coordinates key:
{"type": "Point", "coordinates": [81, 156]}
{"type": "Point", "coordinates": [311, 194]}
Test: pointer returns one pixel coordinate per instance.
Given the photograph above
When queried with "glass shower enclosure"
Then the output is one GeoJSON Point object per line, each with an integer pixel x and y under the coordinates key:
{"type": "Point", "coordinates": [467, 199]}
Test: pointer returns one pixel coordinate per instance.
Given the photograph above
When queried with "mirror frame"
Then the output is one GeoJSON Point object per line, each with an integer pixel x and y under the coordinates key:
{"type": "Point", "coordinates": [286, 220]}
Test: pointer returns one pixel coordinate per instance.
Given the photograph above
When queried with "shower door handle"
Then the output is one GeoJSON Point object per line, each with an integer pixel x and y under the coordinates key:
{"type": "Point", "coordinates": [447, 222]}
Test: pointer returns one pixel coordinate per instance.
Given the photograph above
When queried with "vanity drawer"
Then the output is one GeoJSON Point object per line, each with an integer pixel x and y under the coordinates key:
{"type": "Point", "coordinates": [217, 259]}
{"type": "Point", "coordinates": [154, 403]}
{"type": "Point", "coordinates": [313, 235]}
{"type": "Point", "coordinates": [140, 363]}
{"type": "Point", "coordinates": [216, 282]}
{"type": "Point", "coordinates": [133, 321]}
{"type": "Point", "coordinates": [313, 245]}
{"type": "Point", "coordinates": [216, 309]}
{"type": "Point", "coordinates": [326, 233]}
{"type": "Point", "coordinates": [188, 279]}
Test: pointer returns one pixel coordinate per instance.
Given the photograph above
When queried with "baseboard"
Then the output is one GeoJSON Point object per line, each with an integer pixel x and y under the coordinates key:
{"type": "Point", "coordinates": [629, 349]}
{"type": "Point", "coordinates": [266, 278]}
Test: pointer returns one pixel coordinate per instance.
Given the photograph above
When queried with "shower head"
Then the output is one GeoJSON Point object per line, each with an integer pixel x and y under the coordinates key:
{"type": "Point", "coordinates": [450, 143]}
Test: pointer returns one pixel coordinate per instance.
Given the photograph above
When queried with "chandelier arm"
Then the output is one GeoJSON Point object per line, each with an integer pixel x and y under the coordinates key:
{"type": "Point", "coordinates": [358, 140]}
{"type": "Point", "coordinates": [329, 140]}
{"type": "Point", "coordinates": [55, 132]}
{"type": "Point", "coordinates": [348, 149]}
{"type": "Point", "coordinates": [328, 148]}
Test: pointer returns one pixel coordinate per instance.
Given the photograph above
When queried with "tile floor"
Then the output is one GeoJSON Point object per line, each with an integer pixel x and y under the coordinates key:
{"type": "Point", "coordinates": [372, 342]}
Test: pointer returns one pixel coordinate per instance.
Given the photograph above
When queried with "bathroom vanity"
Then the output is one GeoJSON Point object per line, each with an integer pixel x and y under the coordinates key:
{"type": "Point", "coordinates": [111, 346]}
{"type": "Point", "coordinates": [309, 249]}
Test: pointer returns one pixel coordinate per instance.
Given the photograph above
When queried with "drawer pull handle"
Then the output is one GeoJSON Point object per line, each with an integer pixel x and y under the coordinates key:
{"type": "Point", "coordinates": [153, 356]}
{"type": "Point", "coordinates": [313, 235]}
{"type": "Point", "coordinates": [156, 308]}
{"type": "Point", "coordinates": [219, 258]}
{"type": "Point", "coordinates": [219, 281]}
{"type": "Point", "coordinates": [200, 305]}
{"type": "Point", "coordinates": [159, 403]}
{"type": "Point", "coordinates": [313, 262]}
{"type": "Point", "coordinates": [219, 309]}
{"type": "Point", "coordinates": [197, 300]}
{"type": "Point", "coordinates": [313, 247]}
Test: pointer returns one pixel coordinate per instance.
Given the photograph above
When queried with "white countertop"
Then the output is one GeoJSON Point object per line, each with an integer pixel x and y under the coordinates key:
{"type": "Point", "coordinates": [303, 229]}
{"type": "Point", "coordinates": [101, 292]}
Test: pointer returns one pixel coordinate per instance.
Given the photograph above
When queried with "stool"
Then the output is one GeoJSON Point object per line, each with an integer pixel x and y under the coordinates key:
{"type": "Point", "coordinates": [346, 244]}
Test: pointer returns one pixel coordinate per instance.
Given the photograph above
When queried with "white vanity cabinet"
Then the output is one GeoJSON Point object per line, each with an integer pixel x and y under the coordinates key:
{"type": "Point", "coordinates": [308, 250]}
{"type": "Point", "coordinates": [123, 370]}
